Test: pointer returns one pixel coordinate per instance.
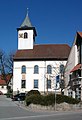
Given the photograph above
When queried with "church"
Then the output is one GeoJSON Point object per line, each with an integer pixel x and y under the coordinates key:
{"type": "Point", "coordinates": [37, 66]}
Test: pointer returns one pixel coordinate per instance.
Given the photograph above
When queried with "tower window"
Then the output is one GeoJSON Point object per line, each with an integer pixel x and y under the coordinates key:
{"type": "Point", "coordinates": [25, 35]}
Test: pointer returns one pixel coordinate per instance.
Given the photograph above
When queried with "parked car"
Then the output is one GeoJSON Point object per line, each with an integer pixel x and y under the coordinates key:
{"type": "Point", "coordinates": [19, 97]}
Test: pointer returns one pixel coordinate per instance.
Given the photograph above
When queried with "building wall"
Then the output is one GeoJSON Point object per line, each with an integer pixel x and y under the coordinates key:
{"type": "Point", "coordinates": [3, 89]}
{"type": "Point", "coordinates": [30, 76]}
{"type": "Point", "coordinates": [72, 61]}
{"type": "Point", "coordinates": [26, 43]}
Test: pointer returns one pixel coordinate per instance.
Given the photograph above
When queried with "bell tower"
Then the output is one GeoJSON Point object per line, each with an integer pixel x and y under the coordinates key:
{"type": "Point", "coordinates": [26, 35]}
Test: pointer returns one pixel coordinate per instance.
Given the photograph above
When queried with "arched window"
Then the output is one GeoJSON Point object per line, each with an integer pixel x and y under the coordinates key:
{"type": "Point", "coordinates": [49, 69]}
{"type": "Point", "coordinates": [61, 68]}
{"type": "Point", "coordinates": [23, 69]}
{"type": "Point", "coordinates": [25, 35]}
{"type": "Point", "coordinates": [36, 69]}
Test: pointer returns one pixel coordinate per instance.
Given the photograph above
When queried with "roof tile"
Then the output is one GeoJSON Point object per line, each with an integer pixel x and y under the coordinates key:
{"type": "Point", "coordinates": [48, 51]}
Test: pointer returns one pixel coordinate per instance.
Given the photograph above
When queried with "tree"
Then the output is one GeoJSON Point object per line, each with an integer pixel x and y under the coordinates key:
{"type": "Point", "coordinates": [9, 62]}
{"type": "Point", "coordinates": [58, 76]}
{"type": "Point", "coordinates": [6, 65]}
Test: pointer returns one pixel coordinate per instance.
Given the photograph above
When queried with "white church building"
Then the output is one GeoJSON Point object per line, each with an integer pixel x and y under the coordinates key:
{"type": "Point", "coordinates": [37, 66]}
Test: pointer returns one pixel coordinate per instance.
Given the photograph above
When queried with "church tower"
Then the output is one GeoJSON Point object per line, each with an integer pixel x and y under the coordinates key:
{"type": "Point", "coordinates": [26, 35]}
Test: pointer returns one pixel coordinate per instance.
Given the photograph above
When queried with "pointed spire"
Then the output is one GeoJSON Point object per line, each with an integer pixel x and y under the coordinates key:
{"type": "Point", "coordinates": [26, 22]}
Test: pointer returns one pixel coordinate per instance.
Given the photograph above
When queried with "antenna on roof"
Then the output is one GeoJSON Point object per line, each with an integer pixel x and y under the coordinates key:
{"type": "Point", "coordinates": [27, 11]}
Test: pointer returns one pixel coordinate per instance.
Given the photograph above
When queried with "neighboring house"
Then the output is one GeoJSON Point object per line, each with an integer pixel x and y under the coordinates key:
{"type": "Point", "coordinates": [4, 84]}
{"type": "Point", "coordinates": [37, 67]}
{"type": "Point", "coordinates": [73, 71]}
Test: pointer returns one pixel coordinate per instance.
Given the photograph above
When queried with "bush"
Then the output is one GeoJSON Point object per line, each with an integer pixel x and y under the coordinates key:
{"type": "Point", "coordinates": [33, 92]}
{"type": "Point", "coordinates": [49, 99]}
{"type": "Point", "coordinates": [35, 99]}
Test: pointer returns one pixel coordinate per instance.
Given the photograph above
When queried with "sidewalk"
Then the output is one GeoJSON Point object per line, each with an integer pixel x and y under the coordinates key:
{"type": "Point", "coordinates": [32, 107]}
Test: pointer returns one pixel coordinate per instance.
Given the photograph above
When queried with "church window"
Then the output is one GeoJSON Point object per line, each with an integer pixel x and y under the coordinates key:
{"type": "Point", "coordinates": [23, 83]}
{"type": "Point", "coordinates": [49, 69]}
{"type": "Point", "coordinates": [35, 83]}
{"type": "Point", "coordinates": [61, 68]}
{"type": "Point", "coordinates": [49, 84]}
{"type": "Point", "coordinates": [23, 69]}
{"type": "Point", "coordinates": [25, 35]}
{"type": "Point", "coordinates": [36, 69]}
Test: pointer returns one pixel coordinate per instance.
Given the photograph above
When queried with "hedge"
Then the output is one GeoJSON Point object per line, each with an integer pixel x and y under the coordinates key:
{"type": "Point", "coordinates": [49, 99]}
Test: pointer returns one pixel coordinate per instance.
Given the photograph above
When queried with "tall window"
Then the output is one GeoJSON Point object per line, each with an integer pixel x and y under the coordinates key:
{"type": "Point", "coordinates": [36, 83]}
{"type": "Point", "coordinates": [23, 69]}
{"type": "Point", "coordinates": [61, 68]}
{"type": "Point", "coordinates": [36, 69]}
{"type": "Point", "coordinates": [25, 35]}
{"type": "Point", "coordinates": [49, 84]}
{"type": "Point", "coordinates": [49, 69]}
{"type": "Point", "coordinates": [23, 83]}
{"type": "Point", "coordinates": [57, 78]}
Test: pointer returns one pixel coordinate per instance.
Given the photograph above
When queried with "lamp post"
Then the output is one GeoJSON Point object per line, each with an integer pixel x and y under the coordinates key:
{"type": "Point", "coordinates": [47, 82]}
{"type": "Point", "coordinates": [55, 99]}
{"type": "Point", "coordinates": [55, 94]}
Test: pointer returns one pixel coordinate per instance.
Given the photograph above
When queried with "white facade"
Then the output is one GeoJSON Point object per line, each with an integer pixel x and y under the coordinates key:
{"type": "Point", "coordinates": [73, 73]}
{"type": "Point", "coordinates": [3, 89]}
{"type": "Point", "coordinates": [72, 61]}
{"type": "Point", "coordinates": [41, 76]}
{"type": "Point", "coordinates": [25, 43]}
{"type": "Point", "coordinates": [29, 78]}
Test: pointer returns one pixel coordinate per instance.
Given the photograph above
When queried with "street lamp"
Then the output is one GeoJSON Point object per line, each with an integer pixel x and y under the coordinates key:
{"type": "Point", "coordinates": [56, 88]}
{"type": "Point", "coordinates": [55, 99]}
{"type": "Point", "coordinates": [47, 78]}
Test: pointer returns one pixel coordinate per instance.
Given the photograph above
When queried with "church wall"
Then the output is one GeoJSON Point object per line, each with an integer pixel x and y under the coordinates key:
{"type": "Point", "coordinates": [26, 43]}
{"type": "Point", "coordinates": [30, 76]}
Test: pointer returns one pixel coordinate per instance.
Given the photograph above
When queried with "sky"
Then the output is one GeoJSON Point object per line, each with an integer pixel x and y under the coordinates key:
{"type": "Point", "coordinates": [56, 21]}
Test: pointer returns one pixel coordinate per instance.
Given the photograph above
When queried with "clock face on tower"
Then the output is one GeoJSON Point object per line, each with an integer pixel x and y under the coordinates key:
{"type": "Point", "coordinates": [21, 35]}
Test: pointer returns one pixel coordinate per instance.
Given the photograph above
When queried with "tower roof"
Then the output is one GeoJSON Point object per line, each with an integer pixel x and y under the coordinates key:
{"type": "Point", "coordinates": [26, 22]}
{"type": "Point", "coordinates": [26, 25]}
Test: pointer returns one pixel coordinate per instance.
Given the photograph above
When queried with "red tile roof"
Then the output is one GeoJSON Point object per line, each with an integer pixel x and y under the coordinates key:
{"type": "Point", "coordinates": [2, 81]}
{"type": "Point", "coordinates": [78, 66]}
{"type": "Point", "coordinates": [41, 52]}
{"type": "Point", "coordinates": [80, 33]}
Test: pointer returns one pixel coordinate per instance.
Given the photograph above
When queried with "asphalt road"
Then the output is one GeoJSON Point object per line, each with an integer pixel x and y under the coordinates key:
{"type": "Point", "coordinates": [10, 110]}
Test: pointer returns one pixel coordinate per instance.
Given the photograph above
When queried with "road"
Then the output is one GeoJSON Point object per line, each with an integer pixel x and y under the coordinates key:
{"type": "Point", "coordinates": [10, 110]}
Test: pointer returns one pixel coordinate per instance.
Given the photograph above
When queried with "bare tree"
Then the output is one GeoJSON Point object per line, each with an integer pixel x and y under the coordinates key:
{"type": "Point", "coordinates": [9, 62]}
{"type": "Point", "coordinates": [6, 65]}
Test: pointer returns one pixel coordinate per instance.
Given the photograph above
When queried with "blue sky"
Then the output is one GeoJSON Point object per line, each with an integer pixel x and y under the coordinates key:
{"type": "Point", "coordinates": [56, 21]}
